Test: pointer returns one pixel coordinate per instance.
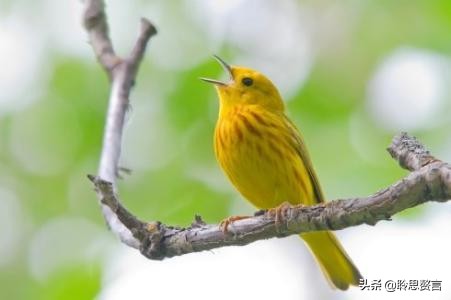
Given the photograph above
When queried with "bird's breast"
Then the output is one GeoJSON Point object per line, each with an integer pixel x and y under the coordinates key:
{"type": "Point", "coordinates": [252, 147]}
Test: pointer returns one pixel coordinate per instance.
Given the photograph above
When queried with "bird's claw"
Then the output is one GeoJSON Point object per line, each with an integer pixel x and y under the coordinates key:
{"type": "Point", "coordinates": [279, 214]}
{"type": "Point", "coordinates": [224, 224]}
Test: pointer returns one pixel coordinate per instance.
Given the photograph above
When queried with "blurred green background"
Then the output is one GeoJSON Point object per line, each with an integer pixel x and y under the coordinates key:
{"type": "Point", "coordinates": [353, 73]}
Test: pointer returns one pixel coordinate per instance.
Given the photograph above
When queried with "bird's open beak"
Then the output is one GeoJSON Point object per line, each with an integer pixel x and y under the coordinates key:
{"type": "Point", "coordinates": [226, 67]}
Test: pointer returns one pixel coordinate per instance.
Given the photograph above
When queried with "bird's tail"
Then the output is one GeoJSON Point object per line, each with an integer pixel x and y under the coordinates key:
{"type": "Point", "coordinates": [335, 263]}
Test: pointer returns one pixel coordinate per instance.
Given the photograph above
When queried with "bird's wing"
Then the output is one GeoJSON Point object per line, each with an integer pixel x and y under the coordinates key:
{"type": "Point", "coordinates": [297, 142]}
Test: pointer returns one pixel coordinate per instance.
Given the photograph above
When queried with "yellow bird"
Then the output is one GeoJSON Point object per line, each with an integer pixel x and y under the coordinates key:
{"type": "Point", "coordinates": [264, 156]}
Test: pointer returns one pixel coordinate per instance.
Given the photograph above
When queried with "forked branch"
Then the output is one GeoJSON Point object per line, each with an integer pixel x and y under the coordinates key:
{"type": "Point", "coordinates": [122, 73]}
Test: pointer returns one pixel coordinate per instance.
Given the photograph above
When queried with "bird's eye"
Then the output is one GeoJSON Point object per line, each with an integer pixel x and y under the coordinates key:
{"type": "Point", "coordinates": [247, 81]}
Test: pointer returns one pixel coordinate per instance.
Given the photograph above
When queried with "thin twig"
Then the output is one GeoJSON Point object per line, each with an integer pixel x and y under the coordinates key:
{"type": "Point", "coordinates": [96, 25]}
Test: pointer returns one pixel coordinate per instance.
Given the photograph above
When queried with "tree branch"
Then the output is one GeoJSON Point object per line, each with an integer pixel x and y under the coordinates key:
{"type": "Point", "coordinates": [96, 25]}
{"type": "Point", "coordinates": [122, 73]}
{"type": "Point", "coordinates": [410, 154]}
{"type": "Point", "coordinates": [431, 182]}
{"type": "Point", "coordinates": [430, 179]}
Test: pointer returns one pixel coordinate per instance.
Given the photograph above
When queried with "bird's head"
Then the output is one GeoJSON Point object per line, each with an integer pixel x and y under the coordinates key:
{"type": "Point", "coordinates": [246, 87]}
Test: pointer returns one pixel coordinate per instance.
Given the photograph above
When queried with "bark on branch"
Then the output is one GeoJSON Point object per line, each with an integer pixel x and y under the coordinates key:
{"type": "Point", "coordinates": [429, 180]}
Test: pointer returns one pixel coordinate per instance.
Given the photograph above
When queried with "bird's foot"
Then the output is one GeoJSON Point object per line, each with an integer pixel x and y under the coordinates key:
{"type": "Point", "coordinates": [279, 214]}
{"type": "Point", "coordinates": [224, 224]}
